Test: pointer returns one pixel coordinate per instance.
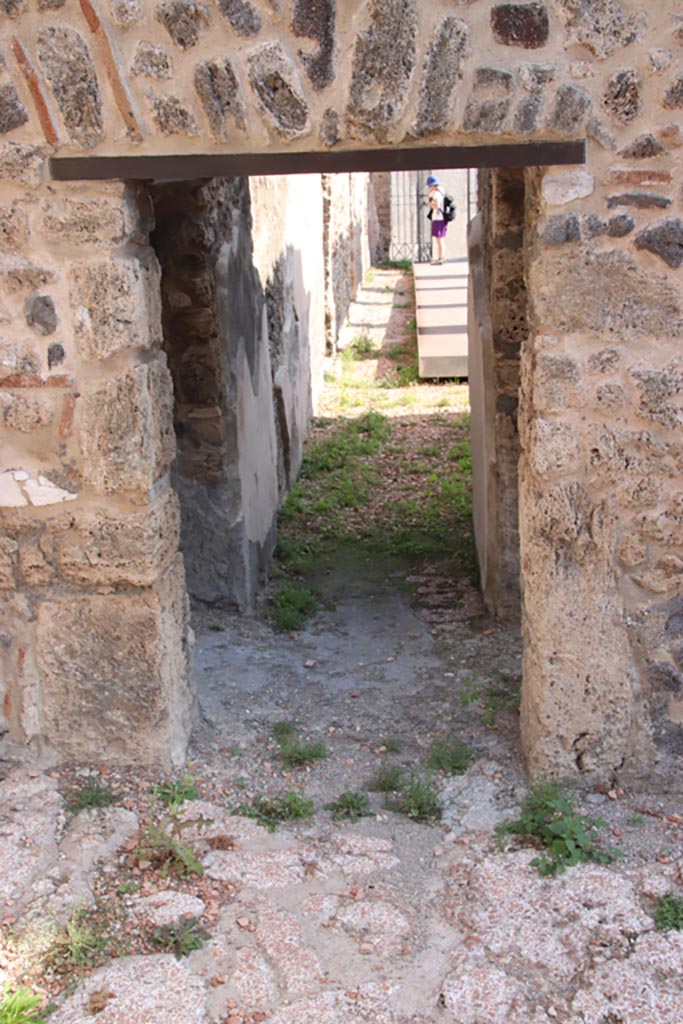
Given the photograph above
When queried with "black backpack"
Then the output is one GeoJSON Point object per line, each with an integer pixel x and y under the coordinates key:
{"type": "Point", "coordinates": [448, 208]}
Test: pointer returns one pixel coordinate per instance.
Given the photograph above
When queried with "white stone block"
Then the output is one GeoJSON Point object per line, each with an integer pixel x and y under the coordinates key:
{"type": "Point", "coordinates": [43, 492]}
{"type": "Point", "coordinates": [563, 187]}
{"type": "Point", "coordinates": [11, 495]}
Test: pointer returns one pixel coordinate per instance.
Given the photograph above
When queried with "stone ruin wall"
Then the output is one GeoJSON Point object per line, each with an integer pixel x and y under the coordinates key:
{"type": "Point", "coordinates": [91, 523]}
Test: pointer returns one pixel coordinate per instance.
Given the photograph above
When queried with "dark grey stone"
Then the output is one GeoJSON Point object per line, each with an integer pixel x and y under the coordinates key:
{"type": "Point", "coordinates": [218, 90]}
{"type": "Point", "coordinates": [663, 676]}
{"type": "Point", "coordinates": [520, 25]}
{"type": "Point", "coordinates": [13, 113]}
{"type": "Point", "coordinates": [243, 16]}
{"type": "Point", "coordinates": [665, 239]}
{"type": "Point", "coordinates": [443, 64]}
{"type": "Point", "coordinates": [13, 7]}
{"type": "Point", "coordinates": [569, 110]}
{"type": "Point", "coordinates": [673, 97]}
{"type": "Point", "coordinates": [50, 5]}
{"type": "Point", "coordinates": [316, 19]}
{"type": "Point", "coordinates": [489, 102]}
{"type": "Point", "coordinates": [153, 61]}
{"type": "Point", "coordinates": [273, 79]}
{"type": "Point", "coordinates": [603, 26]}
{"type": "Point", "coordinates": [562, 227]}
{"type": "Point", "coordinates": [330, 129]}
{"type": "Point", "coordinates": [383, 65]}
{"type": "Point", "coordinates": [622, 97]}
{"type": "Point", "coordinates": [65, 59]}
{"type": "Point", "coordinates": [527, 114]}
{"type": "Point", "coordinates": [183, 20]}
{"type": "Point", "coordinates": [40, 314]}
{"type": "Point", "coordinates": [597, 131]}
{"type": "Point", "coordinates": [641, 200]}
{"type": "Point", "coordinates": [643, 147]}
{"type": "Point", "coordinates": [620, 225]}
{"type": "Point", "coordinates": [593, 226]}
{"type": "Point", "coordinates": [173, 117]}
{"type": "Point", "coordinates": [55, 354]}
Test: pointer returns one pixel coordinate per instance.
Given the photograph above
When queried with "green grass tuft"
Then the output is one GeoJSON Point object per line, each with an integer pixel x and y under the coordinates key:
{"type": "Point", "coordinates": [451, 756]}
{"type": "Point", "coordinates": [292, 606]}
{"type": "Point", "coordinates": [669, 913]}
{"type": "Point", "coordinates": [351, 805]}
{"type": "Point", "coordinates": [270, 811]}
{"type": "Point", "coordinates": [20, 1007]}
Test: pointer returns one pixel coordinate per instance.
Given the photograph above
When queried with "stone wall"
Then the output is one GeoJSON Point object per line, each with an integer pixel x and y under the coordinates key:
{"type": "Point", "coordinates": [86, 393]}
{"type": "Point", "coordinates": [347, 210]}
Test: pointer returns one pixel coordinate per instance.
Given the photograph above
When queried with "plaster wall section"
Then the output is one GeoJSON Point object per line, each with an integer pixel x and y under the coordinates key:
{"type": "Point", "coordinates": [93, 609]}
{"type": "Point", "coordinates": [348, 211]}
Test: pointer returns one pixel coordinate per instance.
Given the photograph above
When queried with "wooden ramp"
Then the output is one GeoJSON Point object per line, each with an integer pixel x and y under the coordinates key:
{"type": "Point", "coordinates": [441, 314]}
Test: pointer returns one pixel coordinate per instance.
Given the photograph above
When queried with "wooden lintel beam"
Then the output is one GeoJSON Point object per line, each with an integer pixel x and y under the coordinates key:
{"type": "Point", "coordinates": [190, 166]}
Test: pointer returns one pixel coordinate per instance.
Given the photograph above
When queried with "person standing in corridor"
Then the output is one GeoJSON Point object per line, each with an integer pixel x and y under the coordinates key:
{"type": "Point", "coordinates": [435, 199]}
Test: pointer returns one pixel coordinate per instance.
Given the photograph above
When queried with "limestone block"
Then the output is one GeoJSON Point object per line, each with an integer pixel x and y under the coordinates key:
{"type": "Point", "coordinates": [114, 674]}
{"type": "Point", "coordinates": [152, 61]}
{"type": "Point", "coordinates": [489, 103]}
{"type": "Point", "coordinates": [11, 494]}
{"type": "Point", "coordinates": [126, 430]}
{"type": "Point", "coordinates": [557, 382]}
{"type": "Point", "coordinates": [603, 26]}
{"type": "Point", "coordinates": [68, 67]}
{"type": "Point", "coordinates": [43, 492]}
{"type": "Point", "coordinates": [21, 164]}
{"type": "Point", "coordinates": [443, 69]}
{"type": "Point", "coordinates": [107, 547]}
{"type": "Point", "coordinates": [17, 356]}
{"type": "Point", "coordinates": [20, 412]}
{"type": "Point", "coordinates": [13, 228]}
{"type": "Point", "coordinates": [317, 22]}
{"type": "Point", "coordinates": [604, 293]}
{"type": "Point", "coordinates": [84, 221]}
{"type": "Point", "coordinates": [173, 117]}
{"type": "Point", "coordinates": [34, 569]}
{"type": "Point", "coordinates": [217, 87]}
{"type": "Point", "coordinates": [8, 557]}
{"type": "Point", "coordinates": [117, 305]}
{"type": "Point", "coordinates": [242, 15]}
{"type": "Point", "coordinates": [553, 447]}
{"type": "Point", "coordinates": [184, 20]}
{"type": "Point", "coordinates": [565, 186]}
{"type": "Point", "coordinates": [661, 394]}
{"type": "Point", "coordinates": [275, 82]}
{"type": "Point", "coordinates": [383, 67]}
{"type": "Point", "coordinates": [623, 96]}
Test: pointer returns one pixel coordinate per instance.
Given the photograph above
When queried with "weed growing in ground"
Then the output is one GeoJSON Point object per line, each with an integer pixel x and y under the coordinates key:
{"type": "Point", "coordinates": [177, 791]}
{"type": "Point", "coordinates": [20, 1007]}
{"type": "Point", "coordinates": [500, 693]}
{"type": "Point", "coordinates": [420, 800]}
{"type": "Point", "coordinates": [405, 265]}
{"type": "Point", "coordinates": [128, 888]}
{"type": "Point", "coordinates": [451, 756]}
{"type": "Point", "coordinates": [669, 913]}
{"type": "Point", "coordinates": [162, 844]}
{"type": "Point", "coordinates": [568, 837]}
{"type": "Point", "coordinates": [391, 745]}
{"type": "Point", "coordinates": [293, 751]}
{"type": "Point", "coordinates": [89, 796]}
{"type": "Point", "coordinates": [76, 944]}
{"type": "Point", "coordinates": [270, 811]}
{"type": "Point", "coordinates": [389, 778]}
{"type": "Point", "coordinates": [636, 820]}
{"type": "Point", "coordinates": [362, 345]}
{"type": "Point", "coordinates": [182, 938]}
{"type": "Point", "coordinates": [351, 805]}
{"type": "Point", "coordinates": [292, 606]}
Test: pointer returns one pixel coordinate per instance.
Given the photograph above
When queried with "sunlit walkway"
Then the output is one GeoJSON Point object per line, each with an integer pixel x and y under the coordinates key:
{"type": "Point", "coordinates": [441, 314]}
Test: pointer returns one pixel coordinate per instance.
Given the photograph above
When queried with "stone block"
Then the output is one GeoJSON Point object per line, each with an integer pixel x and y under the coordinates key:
{"type": "Point", "coordinates": [565, 186]}
{"type": "Point", "coordinates": [126, 431]}
{"type": "Point", "coordinates": [621, 225]}
{"type": "Point", "coordinates": [8, 556]}
{"type": "Point", "coordinates": [443, 70]}
{"type": "Point", "coordinates": [383, 66]}
{"type": "Point", "coordinates": [603, 26]}
{"type": "Point", "coordinates": [553, 447]}
{"type": "Point", "coordinates": [638, 178]}
{"type": "Point", "coordinates": [105, 547]}
{"type": "Point", "coordinates": [673, 97]}
{"type": "Point", "coordinates": [23, 165]}
{"type": "Point", "coordinates": [184, 20]}
{"type": "Point", "coordinates": [117, 305]}
{"type": "Point", "coordinates": [570, 108]}
{"type": "Point", "coordinates": [41, 314]}
{"type": "Point", "coordinates": [13, 228]}
{"type": "Point", "coordinates": [273, 78]}
{"type": "Point", "coordinates": [623, 96]}
{"type": "Point", "coordinates": [660, 394]}
{"type": "Point", "coordinates": [25, 413]}
{"type": "Point", "coordinates": [643, 148]}
{"type": "Point", "coordinates": [664, 239]}
{"type": "Point", "coordinates": [489, 101]}
{"type": "Point", "coordinates": [218, 89]}
{"type": "Point", "coordinates": [524, 24]}
{"type": "Point", "coordinates": [557, 382]}
{"type": "Point", "coordinates": [68, 67]}
{"type": "Point", "coordinates": [604, 293]}
{"type": "Point", "coordinates": [641, 201]}
{"type": "Point", "coordinates": [317, 21]}
{"type": "Point", "coordinates": [13, 113]}
{"type": "Point", "coordinates": [560, 228]}
{"type": "Point", "coordinates": [242, 16]}
{"type": "Point", "coordinates": [173, 117]}
{"type": "Point", "coordinates": [85, 222]}
{"type": "Point", "coordinates": [152, 61]}
{"type": "Point", "coordinates": [114, 674]}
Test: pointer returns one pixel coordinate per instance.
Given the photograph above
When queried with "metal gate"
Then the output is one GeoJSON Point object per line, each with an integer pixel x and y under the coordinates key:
{"type": "Point", "coordinates": [410, 228]}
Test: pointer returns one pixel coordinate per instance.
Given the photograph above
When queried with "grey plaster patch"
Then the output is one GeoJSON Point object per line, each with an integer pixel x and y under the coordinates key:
{"type": "Point", "coordinates": [383, 67]}
{"type": "Point", "coordinates": [447, 52]}
{"type": "Point", "coordinates": [68, 67]}
{"type": "Point", "coordinates": [273, 78]}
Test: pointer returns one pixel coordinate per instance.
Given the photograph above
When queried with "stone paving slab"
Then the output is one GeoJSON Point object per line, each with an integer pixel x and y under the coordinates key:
{"type": "Point", "coordinates": [441, 314]}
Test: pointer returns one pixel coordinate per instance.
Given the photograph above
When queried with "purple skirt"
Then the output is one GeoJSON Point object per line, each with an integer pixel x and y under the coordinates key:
{"type": "Point", "coordinates": [439, 228]}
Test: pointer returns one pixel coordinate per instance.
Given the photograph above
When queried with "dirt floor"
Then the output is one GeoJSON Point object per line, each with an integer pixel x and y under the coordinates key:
{"type": "Point", "coordinates": [167, 907]}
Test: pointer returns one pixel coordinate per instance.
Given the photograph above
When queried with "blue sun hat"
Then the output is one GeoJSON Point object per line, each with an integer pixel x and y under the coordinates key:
{"type": "Point", "coordinates": [431, 180]}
